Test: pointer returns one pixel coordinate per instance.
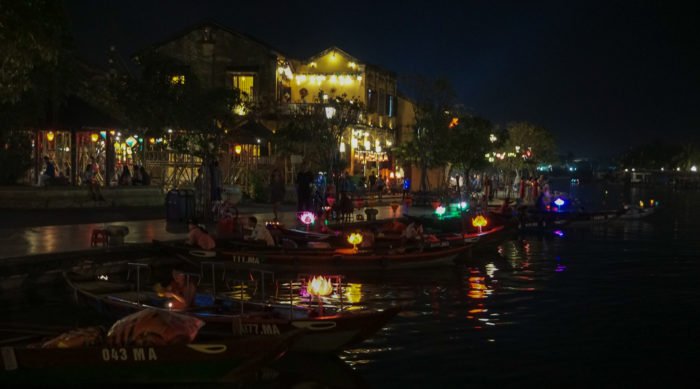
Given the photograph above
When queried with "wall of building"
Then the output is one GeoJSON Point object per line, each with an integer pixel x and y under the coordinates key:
{"type": "Point", "coordinates": [214, 54]}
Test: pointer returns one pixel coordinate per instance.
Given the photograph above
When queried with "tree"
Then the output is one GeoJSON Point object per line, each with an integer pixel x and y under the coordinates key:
{"type": "Point", "coordinates": [468, 143]}
{"type": "Point", "coordinates": [32, 36]}
{"type": "Point", "coordinates": [315, 130]}
{"type": "Point", "coordinates": [37, 72]}
{"type": "Point", "coordinates": [167, 95]}
{"type": "Point", "coordinates": [434, 100]}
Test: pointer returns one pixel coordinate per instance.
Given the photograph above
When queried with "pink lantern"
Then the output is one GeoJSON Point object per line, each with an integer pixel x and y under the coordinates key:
{"type": "Point", "coordinates": [307, 217]}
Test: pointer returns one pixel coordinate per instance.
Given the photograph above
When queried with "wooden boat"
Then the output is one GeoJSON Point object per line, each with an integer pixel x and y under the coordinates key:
{"type": "Point", "coordinates": [225, 317]}
{"type": "Point", "coordinates": [223, 360]}
{"type": "Point", "coordinates": [428, 254]}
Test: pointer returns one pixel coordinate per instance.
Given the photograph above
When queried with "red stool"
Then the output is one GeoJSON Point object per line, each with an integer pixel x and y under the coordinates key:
{"type": "Point", "coordinates": [99, 236]}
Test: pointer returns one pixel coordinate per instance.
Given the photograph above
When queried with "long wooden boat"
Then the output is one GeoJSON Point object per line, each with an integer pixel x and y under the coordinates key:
{"type": "Point", "coordinates": [325, 333]}
{"type": "Point", "coordinates": [223, 360]}
{"type": "Point", "coordinates": [415, 255]}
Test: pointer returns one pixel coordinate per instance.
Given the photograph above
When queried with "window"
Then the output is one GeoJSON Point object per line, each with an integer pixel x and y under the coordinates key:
{"type": "Point", "coordinates": [381, 102]}
{"type": "Point", "coordinates": [245, 83]}
{"type": "Point", "coordinates": [177, 79]}
{"type": "Point", "coordinates": [390, 106]}
{"type": "Point", "coordinates": [371, 101]}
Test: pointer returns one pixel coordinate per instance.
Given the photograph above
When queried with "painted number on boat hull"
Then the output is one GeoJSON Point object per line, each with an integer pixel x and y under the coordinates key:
{"type": "Point", "coordinates": [245, 259]}
{"type": "Point", "coordinates": [122, 354]}
{"type": "Point", "coordinates": [259, 329]}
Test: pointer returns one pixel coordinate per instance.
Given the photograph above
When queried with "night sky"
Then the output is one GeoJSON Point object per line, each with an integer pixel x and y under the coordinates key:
{"type": "Point", "coordinates": [602, 76]}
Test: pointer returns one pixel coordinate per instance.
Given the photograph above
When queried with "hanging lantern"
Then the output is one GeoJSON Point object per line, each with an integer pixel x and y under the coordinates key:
{"type": "Point", "coordinates": [94, 137]}
{"type": "Point", "coordinates": [131, 141]}
{"type": "Point", "coordinates": [152, 141]}
{"type": "Point", "coordinates": [237, 149]}
{"type": "Point", "coordinates": [342, 147]}
{"type": "Point", "coordinates": [353, 142]}
{"type": "Point", "coordinates": [50, 136]}
{"type": "Point", "coordinates": [103, 134]}
{"type": "Point", "coordinates": [320, 286]}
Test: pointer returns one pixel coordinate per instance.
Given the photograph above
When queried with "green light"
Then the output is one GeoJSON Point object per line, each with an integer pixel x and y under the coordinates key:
{"type": "Point", "coordinates": [440, 210]}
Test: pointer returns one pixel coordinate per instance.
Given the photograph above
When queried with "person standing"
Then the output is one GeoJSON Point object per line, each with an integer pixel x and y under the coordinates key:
{"type": "Point", "coordinates": [304, 181]}
{"type": "Point", "coordinates": [277, 189]}
{"type": "Point", "coordinates": [216, 181]}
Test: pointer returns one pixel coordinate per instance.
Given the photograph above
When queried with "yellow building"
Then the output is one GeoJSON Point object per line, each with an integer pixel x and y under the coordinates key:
{"type": "Point", "coordinates": [335, 73]}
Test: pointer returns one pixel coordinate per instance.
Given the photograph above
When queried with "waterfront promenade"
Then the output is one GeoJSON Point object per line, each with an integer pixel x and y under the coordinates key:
{"type": "Point", "coordinates": [32, 232]}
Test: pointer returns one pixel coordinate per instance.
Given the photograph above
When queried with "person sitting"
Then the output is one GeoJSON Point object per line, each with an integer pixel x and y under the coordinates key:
{"type": "Point", "coordinates": [180, 292]}
{"type": "Point", "coordinates": [198, 237]}
{"type": "Point", "coordinates": [48, 174]}
{"type": "Point", "coordinates": [260, 233]}
{"type": "Point", "coordinates": [413, 231]}
{"type": "Point", "coordinates": [125, 177]}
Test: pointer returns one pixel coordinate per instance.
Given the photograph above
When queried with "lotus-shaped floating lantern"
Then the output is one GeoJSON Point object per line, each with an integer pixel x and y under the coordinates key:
{"type": "Point", "coordinates": [320, 286]}
{"type": "Point", "coordinates": [307, 218]}
{"type": "Point", "coordinates": [354, 239]}
{"type": "Point", "coordinates": [480, 221]}
{"type": "Point", "coordinates": [440, 211]}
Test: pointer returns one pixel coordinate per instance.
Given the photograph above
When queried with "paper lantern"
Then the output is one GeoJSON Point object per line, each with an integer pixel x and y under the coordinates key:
{"type": "Point", "coordinates": [320, 286]}
{"type": "Point", "coordinates": [50, 136]}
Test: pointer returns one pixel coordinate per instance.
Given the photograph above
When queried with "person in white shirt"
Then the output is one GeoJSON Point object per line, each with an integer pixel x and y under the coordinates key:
{"type": "Point", "coordinates": [260, 232]}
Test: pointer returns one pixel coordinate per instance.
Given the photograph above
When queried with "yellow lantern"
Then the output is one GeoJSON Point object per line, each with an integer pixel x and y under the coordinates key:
{"type": "Point", "coordinates": [320, 286]}
{"type": "Point", "coordinates": [354, 239]}
{"type": "Point", "coordinates": [238, 149]}
{"type": "Point", "coordinates": [50, 136]}
{"type": "Point", "coordinates": [94, 137]}
{"type": "Point", "coordinates": [152, 141]}
{"type": "Point", "coordinates": [641, 204]}
{"type": "Point", "coordinates": [480, 221]}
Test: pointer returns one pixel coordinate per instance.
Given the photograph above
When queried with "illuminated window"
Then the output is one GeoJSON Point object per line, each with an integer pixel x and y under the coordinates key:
{"type": "Point", "coordinates": [178, 79]}
{"type": "Point", "coordinates": [245, 83]}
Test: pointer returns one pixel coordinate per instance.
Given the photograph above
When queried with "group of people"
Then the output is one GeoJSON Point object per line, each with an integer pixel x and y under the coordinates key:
{"type": "Point", "coordinates": [139, 177]}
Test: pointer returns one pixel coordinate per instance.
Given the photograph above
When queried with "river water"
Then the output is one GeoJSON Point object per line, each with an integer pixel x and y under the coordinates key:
{"type": "Point", "coordinates": [606, 304]}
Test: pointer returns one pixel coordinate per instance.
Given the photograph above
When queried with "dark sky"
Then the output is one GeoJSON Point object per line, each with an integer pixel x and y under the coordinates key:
{"type": "Point", "coordinates": [602, 76]}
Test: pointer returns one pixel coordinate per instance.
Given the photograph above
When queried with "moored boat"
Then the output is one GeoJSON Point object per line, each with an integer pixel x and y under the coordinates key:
{"type": "Point", "coordinates": [228, 359]}
{"type": "Point", "coordinates": [225, 317]}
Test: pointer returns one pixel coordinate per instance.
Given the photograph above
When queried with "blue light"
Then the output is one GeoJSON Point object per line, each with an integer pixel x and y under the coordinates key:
{"type": "Point", "coordinates": [559, 233]}
{"type": "Point", "coordinates": [559, 202]}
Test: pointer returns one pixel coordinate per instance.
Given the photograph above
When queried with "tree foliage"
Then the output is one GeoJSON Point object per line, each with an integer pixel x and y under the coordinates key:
{"type": "Point", "coordinates": [526, 146]}
{"type": "Point", "coordinates": [434, 106]}
{"type": "Point", "coordinates": [168, 95]}
{"type": "Point", "coordinates": [468, 143]}
{"type": "Point", "coordinates": [32, 37]}
{"type": "Point", "coordinates": [315, 130]}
